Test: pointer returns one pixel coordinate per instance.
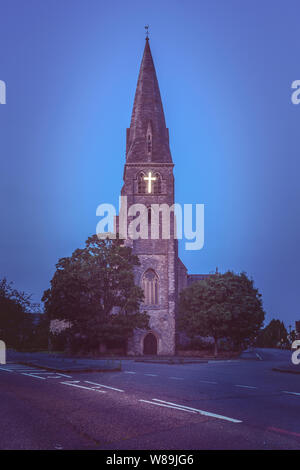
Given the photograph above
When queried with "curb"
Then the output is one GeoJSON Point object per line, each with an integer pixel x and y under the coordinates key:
{"type": "Point", "coordinates": [170, 362]}
{"type": "Point", "coordinates": [286, 371]}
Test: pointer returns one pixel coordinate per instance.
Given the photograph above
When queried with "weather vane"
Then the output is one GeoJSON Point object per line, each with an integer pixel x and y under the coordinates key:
{"type": "Point", "coordinates": [147, 31]}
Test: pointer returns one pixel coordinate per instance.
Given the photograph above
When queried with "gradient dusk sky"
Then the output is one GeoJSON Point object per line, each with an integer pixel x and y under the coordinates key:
{"type": "Point", "coordinates": [225, 70]}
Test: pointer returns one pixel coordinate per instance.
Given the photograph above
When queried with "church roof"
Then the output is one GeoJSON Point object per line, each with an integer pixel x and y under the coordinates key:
{"type": "Point", "coordinates": [147, 118]}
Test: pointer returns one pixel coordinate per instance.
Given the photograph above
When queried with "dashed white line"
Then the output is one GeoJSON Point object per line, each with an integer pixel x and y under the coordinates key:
{"type": "Point", "coordinates": [176, 378]}
{"type": "Point", "coordinates": [36, 372]}
{"type": "Point", "coordinates": [208, 382]}
{"type": "Point", "coordinates": [151, 375]}
{"type": "Point", "coordinates": [105, 386]}
{"type": "Point", "coordinates": [129, 372]}
{"type": "Point", "coordinates": [202, 412]}
{"type": "Point", "coordinates": [245, 386]}
{"type": "Point", "coordinates": [34, 376]}
{"type": "Point", "coordinates": [72, 384]}
{"type": "Point", "coordinates": [167, 406]}
{"type": "Point", "coordinates": [12, 366]}
{"type": "Point", "coordinates": [55, 374]}
{"type": "Point", "coordinates": [63, 375]}
{"type": "Point", "coordinates": [291, 393]}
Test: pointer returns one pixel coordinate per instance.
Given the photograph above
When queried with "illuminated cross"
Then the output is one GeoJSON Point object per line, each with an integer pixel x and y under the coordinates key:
{"type": "Point", "coordinates": [149, 178]}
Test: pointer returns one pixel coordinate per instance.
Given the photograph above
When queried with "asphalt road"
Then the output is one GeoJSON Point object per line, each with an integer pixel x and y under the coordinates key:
{"type": "Point", "coordinates": [239, 404]}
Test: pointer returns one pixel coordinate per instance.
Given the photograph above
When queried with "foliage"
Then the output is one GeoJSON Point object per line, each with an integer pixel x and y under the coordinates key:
{"type": "Point", "coordinates": [15, 310]}
{"type": "Point", "coordinates": [274, 335]}
{"type": "Point", "coordinates": [292, 336]}
{"type": "Point", "coordinates": [94, 290]}
{"type": "Point", "coordinates": [222, 306]}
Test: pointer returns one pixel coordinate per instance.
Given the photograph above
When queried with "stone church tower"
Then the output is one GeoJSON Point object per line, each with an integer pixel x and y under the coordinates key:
{"type": "Point", "coordinates": [148, 179]}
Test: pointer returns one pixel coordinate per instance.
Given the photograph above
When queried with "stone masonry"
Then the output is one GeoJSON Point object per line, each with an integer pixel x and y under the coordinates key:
{"type": "Point", "coordinates": [147, 150]}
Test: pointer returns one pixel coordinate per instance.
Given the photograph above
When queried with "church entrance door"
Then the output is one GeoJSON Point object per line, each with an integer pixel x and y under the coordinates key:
{"type": "Point", "coordinates": [150, 344]}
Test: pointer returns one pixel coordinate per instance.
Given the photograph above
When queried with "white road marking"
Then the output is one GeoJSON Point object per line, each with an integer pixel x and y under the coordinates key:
{"type": "Point", "coordinates": [245, 386]}
{"type": "Point", "coordinates": [63, 375]}
{"type": "Point", "coordinates": [105, 386]}
{"type": "Point", "coordinates": [46, 372]}
{"type": "Point", "coordinates": [259, 356]}
{"type": "Point", "coordinates": [17, 369]}
{"type": "Point", "coordinates": [34, 371]}
{"type": "Point", "coordinates": [202, 412]}
{"type": "Point", "coordinates": [167, 406]}
{"type": "Point", "coordinates": [232, 362]}
{"type": "Point", "coordinates": [176, 378]}
{"type": "Point", "coordinates": [291, 393]}
{"type": "Point", "coordinates": [54, 377]}
{"type": "Point", "coordinates": [207, 382]}
{"type": "Point", "coordinates": [72, 384]}
{"type": "Point", "coordinates": [151, 375]}
{"type": "Point", "coordinates": [35, 376]}
{"type": "Point", "coordinates": [129, 372]}
{"type": "Point", "coordinates": [21, 370]}
{"type": "Point", "coordinates": [14, 366]}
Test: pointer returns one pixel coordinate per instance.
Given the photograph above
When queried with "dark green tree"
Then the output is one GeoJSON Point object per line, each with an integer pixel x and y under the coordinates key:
{"type": "Point", "coordinates": [15, 308]}
{"type": "Point", "coordinates": [274, 335]}
{"type": "Point", "coordinates": [94, 291]}
{"type": "Point", "coordinates": [292, 336]}
{"type": "Point", "coordinates": [222, 306]}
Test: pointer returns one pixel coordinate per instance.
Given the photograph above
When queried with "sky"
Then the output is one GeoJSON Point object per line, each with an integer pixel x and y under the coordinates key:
{"type": "Point", "coordinates": [225, 71]}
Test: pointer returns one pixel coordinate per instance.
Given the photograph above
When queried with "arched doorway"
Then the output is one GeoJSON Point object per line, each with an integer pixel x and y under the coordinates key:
{"type": "Point", "coordinates": [150, 344]}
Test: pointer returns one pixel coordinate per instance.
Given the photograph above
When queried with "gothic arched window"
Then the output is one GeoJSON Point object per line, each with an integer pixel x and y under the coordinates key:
{"type": "Point", "coordinates": [157, 184]}
{"type": "Point", "coordinates": [150, 287]}
{"type": "Point", "coordinates": [141, 183]}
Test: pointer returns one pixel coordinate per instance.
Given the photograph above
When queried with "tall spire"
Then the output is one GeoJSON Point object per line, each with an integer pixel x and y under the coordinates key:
{"type": "Point", "coordinates": [148, 136]}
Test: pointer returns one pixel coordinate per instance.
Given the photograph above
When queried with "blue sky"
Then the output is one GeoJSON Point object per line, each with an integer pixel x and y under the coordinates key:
{"type": "Point", "coordinates": [225, 71]}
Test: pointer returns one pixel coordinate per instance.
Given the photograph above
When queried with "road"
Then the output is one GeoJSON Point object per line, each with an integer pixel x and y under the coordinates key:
{"type": "Point", "coordinates": [239, 404]}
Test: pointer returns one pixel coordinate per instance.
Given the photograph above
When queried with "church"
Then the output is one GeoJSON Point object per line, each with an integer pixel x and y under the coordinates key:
{"type": "Point", "coordinates": [148, 179]}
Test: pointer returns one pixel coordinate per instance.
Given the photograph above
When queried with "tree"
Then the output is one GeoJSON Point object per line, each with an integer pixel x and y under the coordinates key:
{"type": "Point", "coordinates": [274, 335]}
{"type": "Point", "coordinates": [15, 308]}
{"type": "Point", "coordinates": [222, 306]}
{"type": "Point", "coordinates": [94, 291]}
{"type": "Point", "coordinates": [292, 336]}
